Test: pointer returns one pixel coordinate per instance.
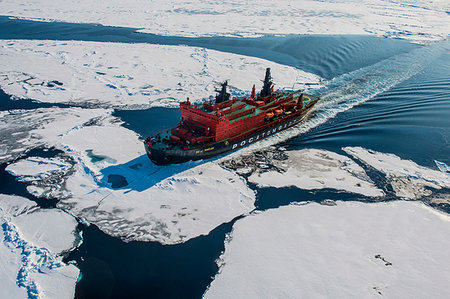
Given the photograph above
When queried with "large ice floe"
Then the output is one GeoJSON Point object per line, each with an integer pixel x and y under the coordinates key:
{"type": "Point", "coordinates": [408, 180]}
{"type": "Point", "coordinates": [109, 181]}
{"type": "Point", "coordinates": [305, 169]}
{"type": "Point", "coordinates": [415, 20]}
{"type": "Point", "coordinates": [104, 176]}
{"type": "Point", "coordinates": [32, 243]}
{"type": "Point", "coordinates": [358, 250]}
{"type": "Point", "coordinates": [116, 187]}
{"type": "Point", "coordinates": [128, 75]}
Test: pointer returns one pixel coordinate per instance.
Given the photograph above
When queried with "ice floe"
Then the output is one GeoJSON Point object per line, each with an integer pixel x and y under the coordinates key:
{"type": "Point", "coordinates": [407, 179]}
{"type": "Point", "coordinates": [168, 204]}
{"type": "Point", "coordinates": [32, 241]}
{"type": "Point", "coordinates": [45, 175]}
{"type": "Point", "coordinates": [149, 203]}
{"type": "Point", "coordinates": [442, 166]}
{"type": "Point", "coordinates": [22, 130]}
{"type": "Point", "coordinates": [396, 249]}
{"type": "Point", "coordinates": [306, 169]}
{"type": "Point", "coordinates": [415, 20]}
{"type": "Point", "coordinates": [128, 75]}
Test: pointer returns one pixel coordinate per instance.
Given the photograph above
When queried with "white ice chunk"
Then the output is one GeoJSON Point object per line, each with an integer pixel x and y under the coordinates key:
{"type": "Point", "coordinates": [15, 205]}
{"type": "Point", "coordinates": [45, 175]}
{"type": "Point", "coordinates": [49, 228]}
{"type": "Point", "coordinates": [352, 250]}
{"type": "Point", "coordinates": [317, 169]}
{"type": "Point", "coordinates": [32, 240]}
{"type": "Point", "coordinates": [408, 179]}
{"type": "Point", "coordinates": [129, 75]}
{"type": "Point", "coordinates": [442, 166]}
{"type": "Point", "coordinates": [57, 282]}
{"type": "Point", "coordinates": [35, 168]}
{"type": "Point", "coordinates": [41, 127]}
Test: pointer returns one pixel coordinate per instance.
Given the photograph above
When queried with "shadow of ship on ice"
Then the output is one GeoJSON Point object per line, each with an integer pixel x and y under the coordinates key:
{"type": "Point", "coordinates": [140, 174]}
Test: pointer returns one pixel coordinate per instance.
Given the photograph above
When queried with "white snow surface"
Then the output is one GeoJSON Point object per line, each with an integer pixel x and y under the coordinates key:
{"type": "Point", "coordinates": [317, 169]}
{"type": "Point", "coordinates": [128, 75]}
{"type": "Point", "coordinates": [46, 228]}
{"type": "Point", "coordinates": [22, 130]}
{"type": "Point", "coordinates": [37, 168]}
{"type": "Point", "coordinates": [9, 266]}
{"type": "Point", "coordinates": [352, 250]}
{"type": "Point", "coordinates": [406, 177]}
{"type": "Point", "coordinates": [168, 204]}
{"type": "Point", "coordinates": [417, 20]}
{"type": "Point", "coordinates": [49, 228]}
{"type": "Point", "coordinates": [32, 240]}
{"type": "Point", "coordinates": [44, 175]}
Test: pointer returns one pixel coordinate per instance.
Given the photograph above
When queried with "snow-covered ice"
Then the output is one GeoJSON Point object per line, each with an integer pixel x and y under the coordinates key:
{"type": "Point", "coordinates": [45, 175]}
{"type": "Point", "coordinates": [37, 168]}
{"type": "Point", "coordinates": [32, 241]}
{"type": "Point", "coordinates": [442, 166]}
{"type": "Point", "coordinates": [169, 204]}
{"type": "Point", "coordinates": [128, 75]}
{"type": "Point", "coordinates": [165, 204]}
{"type": "Point", "coordinates": [407, 179]}
{"type": "Point", "coordinates": [9, 265]}
{"type": "Point", "coordinates": [352, 250]}
{"type": "Point", "coordinates": [49, 228]}
{"type": "Point", "coordinates": [174, 210]}
{"type": "Point", "coordinates": [419, 21]}
{"type": "Point", "coordinates": [312, 169]}
{"type": "Point", "coordinates": [22, 130]}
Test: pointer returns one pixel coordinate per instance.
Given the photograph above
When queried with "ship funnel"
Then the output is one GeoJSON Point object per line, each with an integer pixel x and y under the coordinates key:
{"type": "Point", "coordinates": [222, 95]}
{"type": "Point", "coordinates": [268, 85]}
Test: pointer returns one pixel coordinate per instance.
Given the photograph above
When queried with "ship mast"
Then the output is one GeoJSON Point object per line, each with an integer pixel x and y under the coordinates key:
{"type": "Point", "coordinates": [268, 85]}
{"type": "Point", "coordinates": [222, 95]}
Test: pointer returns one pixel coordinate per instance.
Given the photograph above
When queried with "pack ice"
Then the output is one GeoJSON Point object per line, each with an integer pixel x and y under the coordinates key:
{"type": "Point", "coordinates": [33, 241]}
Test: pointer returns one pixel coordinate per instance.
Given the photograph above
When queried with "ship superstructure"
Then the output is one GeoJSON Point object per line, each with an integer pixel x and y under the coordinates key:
{"type": "Point", "coordinates": [225, 123]}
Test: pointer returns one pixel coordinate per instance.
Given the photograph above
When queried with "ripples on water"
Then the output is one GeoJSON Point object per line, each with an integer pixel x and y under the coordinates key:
{"type": "Point", "coordinates": [408, 113]}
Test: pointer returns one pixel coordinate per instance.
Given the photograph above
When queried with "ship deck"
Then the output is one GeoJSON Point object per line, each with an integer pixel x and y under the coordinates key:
{"type": "Point", "coordinates": [165, 135]}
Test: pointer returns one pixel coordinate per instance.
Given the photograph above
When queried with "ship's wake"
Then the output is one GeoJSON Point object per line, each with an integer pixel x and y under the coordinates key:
{"type": "Point", "coordinates": [351, 89]}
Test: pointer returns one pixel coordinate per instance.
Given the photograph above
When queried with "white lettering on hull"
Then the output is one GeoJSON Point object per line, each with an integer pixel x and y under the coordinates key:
{"type": "Point", "coordinates": [263, 134]}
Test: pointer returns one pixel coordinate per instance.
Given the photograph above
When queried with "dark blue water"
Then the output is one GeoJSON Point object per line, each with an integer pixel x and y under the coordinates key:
{"type": "Point", "coordinates": [114, 269]}
{"type": "Point", "coordinates": [117, 181]}
{"type": "Point", "coordinates": [287, 195]}
{"type": "Point", "coordinates": [411, 119]}
{"type": "Point", "coordinates": [6, 103]}
{"type": "Point", "coordinates": [149, 121]}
